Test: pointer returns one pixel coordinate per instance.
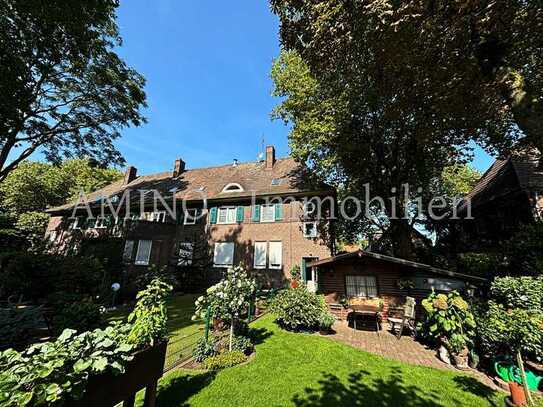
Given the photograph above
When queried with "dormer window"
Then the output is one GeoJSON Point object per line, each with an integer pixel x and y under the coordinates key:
{"type": "Point", "coordinates": [233, 187]}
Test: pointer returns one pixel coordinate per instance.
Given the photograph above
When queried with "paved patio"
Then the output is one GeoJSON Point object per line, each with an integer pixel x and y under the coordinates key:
{"type": "Point", "coordinates": [386, 344]}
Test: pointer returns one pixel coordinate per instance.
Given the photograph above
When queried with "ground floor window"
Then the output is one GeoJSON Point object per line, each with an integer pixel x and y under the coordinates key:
{"type": "Point", "coordinates": [223, 255]}
{"type": "Point", "coordinates": [261, 255]}
{"type": "Point", "coordinates": [361, 286]}
{"type": "Point", "coordinates": [144, 252]}
{"type": "Point", "coordinates": [128, 250]}
{"type": "Point", "coordinates": [186, 251]}
{"type": "Point", "coordinates": [276, 255]}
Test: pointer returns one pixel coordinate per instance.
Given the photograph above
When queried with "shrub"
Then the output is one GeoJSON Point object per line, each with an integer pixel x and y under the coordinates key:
{"type": "Point", "coordinates": [447, 316]}
{"type": "Point", "coordinates": [242, 344]}
{"type": "Point", "coordinates": [485, 265]}
{"type": "Point", "coordinates": [523, 251]}
{"type": "Point", "coordinates": [16, 325]}
{"type": "Point", "coordinates": [298, 309]}
{"type": "Point", "coordinates": [79, 316]}
{"type": "Point", "coordinates": [507, 331]}
{"type": "Point", "coordinates": [205, 349]}
{"type": "Point", "coordinates": [326, 321]}
{"type": "Point", "coordinates": [149, 315]}
{"type": "Point", "coordinates": [518, 292]}
{"type": "Point", "coordinates": [224, 360]}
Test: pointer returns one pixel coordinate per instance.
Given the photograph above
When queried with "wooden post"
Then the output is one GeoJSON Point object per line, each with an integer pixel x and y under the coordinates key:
{"type": "Point", "coordinates": [524, 381]}
{"type": "Point", "coordinates": [208, 316]}
{"type": "Point", "coordinates": [150, 395]}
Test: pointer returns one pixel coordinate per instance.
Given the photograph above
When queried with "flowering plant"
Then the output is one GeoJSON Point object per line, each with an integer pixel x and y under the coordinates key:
{"type": "Point", "coordinates": [229, 298]}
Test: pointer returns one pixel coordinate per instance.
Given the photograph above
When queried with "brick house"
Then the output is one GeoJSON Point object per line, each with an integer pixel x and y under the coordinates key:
{"type": "Point", "coordinates": [508, 195]}
{"type": "Point", "coordinates": [252, 213]}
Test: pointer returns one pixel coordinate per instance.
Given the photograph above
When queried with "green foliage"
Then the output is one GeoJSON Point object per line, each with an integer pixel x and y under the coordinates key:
{"type": "Point", "coordinates": [298, 309]}
{"type": "Point", "coordinates": [295, 272]}
{"type": "Point", "coordinates": [523, 251]}
{"type": "Point", "coordinates": [79, 316]}
{"type": "Point", "coordinates": [205, 349]}
{"type": "Point", "coordinates": [242, 344]}
{"type": "Point", "coordinates": [518, 292]}
{"type": "Point", "coordinates": [152, 272]}
{"type": "Point", "coordinates": [62, 69]}
{"type": "Point", "coordinates": [149, 315]}
{"type": "Point", "coordinates": [447, 318]}
{"type": "Point", "coordinates": [47, 373]}
{"type": "Point", "coordinates": [507, 331]}
{"type": "Point", "coordinates": [459, 179]}
{"type": "Point", "coordinates": [485, 265]}
{"type": "Point", "coordinates": [326, 321]}
{"type": "Point", "coordinates": [229, 298]}
{"type": "Point", "coordinates": [224, 360]}
{"type": "Point", "coordinates": [16, 325]}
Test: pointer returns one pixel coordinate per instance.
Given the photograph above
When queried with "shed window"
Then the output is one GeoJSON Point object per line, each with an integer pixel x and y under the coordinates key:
{"type": "Point", "coordinates": [361, 286]}
{"type": "Point", "coordinates": [144, 252]}
{"type": "Point", "coordinates": [223, 254]}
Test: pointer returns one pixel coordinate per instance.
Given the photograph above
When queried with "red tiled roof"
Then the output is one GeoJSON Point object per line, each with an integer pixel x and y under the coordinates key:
{"type": "Point", "coordinates": [209, 182]}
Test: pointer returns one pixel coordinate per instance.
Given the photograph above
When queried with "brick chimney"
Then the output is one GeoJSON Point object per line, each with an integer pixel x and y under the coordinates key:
{"type": "Point", "coordinates": [130, 175]}
{"type": "Point", "coordinates": [178, 167]}
{"type": "Point", "coordinates": [270, 157]}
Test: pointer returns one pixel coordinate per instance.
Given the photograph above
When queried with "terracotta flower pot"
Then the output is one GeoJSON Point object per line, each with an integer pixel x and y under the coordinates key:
{"type": "Point", "coordinates": [517, 394]}
{"type": "Point", "coordinates": [294, 284]}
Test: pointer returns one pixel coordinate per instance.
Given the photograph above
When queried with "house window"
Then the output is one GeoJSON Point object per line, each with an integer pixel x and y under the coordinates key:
{"type": "Point", "coordinates": [310, 229]}
{"type": "Point", "coordinates": [276, 255]}
{"type": "Point", "coordinates": [361, 286]}
{"type": "Point", "coordinates": [233, 187]}
{"type": "Point", "coordinates": [261, 254]}
{"type": "Point", "coordinates": [190, 217]}
{"type": "Point", "coordinates": [78, 222]}
{"type": "Point", "coordinates": [144, 252]}
{"type": "Point", "coordinates": [227, 214]}
{"type": "Point", "coordinates": [128, 250]}
{"type": "Point", "coordinates": [186, 252]}
{"type": "Point", "coordinates": [224, 254]}
{"type": "Point", "coordinates": [159, 216]}
{"type": "Point", "coordinates": [267, 213]}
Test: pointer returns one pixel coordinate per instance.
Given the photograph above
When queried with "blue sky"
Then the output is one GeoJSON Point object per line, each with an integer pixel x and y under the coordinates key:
{"type": "Point", "coordinates": [207, 67]}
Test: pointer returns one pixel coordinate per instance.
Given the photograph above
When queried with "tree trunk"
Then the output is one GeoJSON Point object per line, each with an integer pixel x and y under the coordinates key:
{"type": "Point", "coordinates": [401, 237]}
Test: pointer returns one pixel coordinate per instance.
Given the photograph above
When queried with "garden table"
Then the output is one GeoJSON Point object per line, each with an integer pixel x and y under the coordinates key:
{"type": "Point", "coordinates": [371, 311]}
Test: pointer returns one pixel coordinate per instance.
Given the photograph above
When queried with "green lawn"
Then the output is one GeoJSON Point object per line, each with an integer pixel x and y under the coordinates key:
{"type": "Point", "coordinates": [308, 370]}
{"type": "Point", "coordinates": [183, 332]}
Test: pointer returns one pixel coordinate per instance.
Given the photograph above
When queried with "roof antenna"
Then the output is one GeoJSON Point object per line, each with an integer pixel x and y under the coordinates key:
{"type": "Point", "coordinates": [261, 152]}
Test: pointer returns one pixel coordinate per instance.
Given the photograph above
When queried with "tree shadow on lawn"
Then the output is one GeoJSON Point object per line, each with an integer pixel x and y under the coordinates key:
{"type": "Point", "coordinates": [362, 390]}
{"type": "Point", "coordinates": [259, 335]}
{"type": "Point", "coordinates": [179, 389]}
{"type": "Point", "coordinates": [474, 386]}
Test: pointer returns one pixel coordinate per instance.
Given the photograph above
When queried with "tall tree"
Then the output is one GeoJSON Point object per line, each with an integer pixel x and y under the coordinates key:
{"type": "Point", "coordinates": [65, 91]}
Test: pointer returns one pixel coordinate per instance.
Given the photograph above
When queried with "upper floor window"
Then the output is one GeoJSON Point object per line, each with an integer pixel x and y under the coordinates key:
{"type": "Point", "coordinates": [309, 229]}
{"type": "Point", "coordinates": [227, 214]}
{"type": "Point", "coordinates": [191, 216]}
{"type": "Point", "coordinates": [267, 213]}
{"type": "Point", "coordinates": [233, 187]}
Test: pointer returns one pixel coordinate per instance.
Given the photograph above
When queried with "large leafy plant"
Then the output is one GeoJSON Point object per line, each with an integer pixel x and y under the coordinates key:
{"type": "Point", "coordinates": [298, 309]}
{"type": "Point", "coordinates": [47, 373]}
{"type": "Point", "coordinates": [149, 316]}
{"type": "Point", "coordinates": [229, 298]}
{"type": "Point", "coordinates": [448, 320]}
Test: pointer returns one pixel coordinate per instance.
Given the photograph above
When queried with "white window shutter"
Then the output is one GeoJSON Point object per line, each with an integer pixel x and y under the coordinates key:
{"type": "Point", "coordinates": [276, 255]}
{"type": "Point", "coordinates": [260, 255]}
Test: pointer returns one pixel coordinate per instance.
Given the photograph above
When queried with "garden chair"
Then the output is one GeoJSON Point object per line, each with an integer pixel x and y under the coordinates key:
{"type": "Point", "coordinates": [406, 320]}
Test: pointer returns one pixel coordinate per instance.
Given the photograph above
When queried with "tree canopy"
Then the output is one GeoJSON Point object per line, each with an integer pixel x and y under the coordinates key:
{"type": "Point", "coordinates": [392, 93]}
{"type": "Point", "coordinates": [65, 91]}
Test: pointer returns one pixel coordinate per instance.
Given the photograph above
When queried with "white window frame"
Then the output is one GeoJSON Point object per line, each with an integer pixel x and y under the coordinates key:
{"type": "Point", "coordinates": [216, 250]}
{"type": "Point", "coordinates": [143, 262]}
{"type": "Point", "coordinates": [127, 257]}
{"type": "Point", "coordinates": [228, 209]}
{"type": "Point", "coordinates": [312, 235]}
{"type": "Point", "coordinates": [279, 265]}
{"type": "Point", "coordinates": [75, 224]}
{"type": "Point", "coordinates": [260, 266]}
{"type": "Point", "coordinates": [189, 219]}
{"type": "Point", "coordinates": [158, 216]}
{"type": "Point", "coordinates": [237, 187]}
{"type": "Point", "coordinates": [362, 286]}
{"type": "Point", "coordinates": [185, 259]}
{"type": "Point", "coordinates": [262, 220]}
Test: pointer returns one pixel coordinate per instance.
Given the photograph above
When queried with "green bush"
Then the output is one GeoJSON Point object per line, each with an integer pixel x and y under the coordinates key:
{"type": "Point", "coordinates": [523, 251]}
{"type": "Point", "coordinates": [242, 344]}
{"type": "Point", "coordinates": [448, 318]}
{"type": "Point", "coordinates": [298, 309]}
{"type": "Point", "coordinates": [205, 349]}
{"type": "Point", "coordinates": [518, 292]}
{"type": "Point", "coordinates": [79, 316]}
{"type": "Point", "coordinates": [504, 331]}
{"type": "Point", "coordinates": [224, 360]}
{"type": "Point", "coordinates": [16, 325]}
{"type": "Point", "coordinates": [326, 321]}
{"type": "Point", "coordinates": [485, 265]}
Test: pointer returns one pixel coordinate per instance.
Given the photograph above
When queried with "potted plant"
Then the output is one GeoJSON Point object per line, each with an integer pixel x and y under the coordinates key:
{"type": "Point", "coordinates": [458, 348]}
{"type": "Point", "coordinates": [295, 275]}
{"type": "Point", "coordinates": [326, 322]}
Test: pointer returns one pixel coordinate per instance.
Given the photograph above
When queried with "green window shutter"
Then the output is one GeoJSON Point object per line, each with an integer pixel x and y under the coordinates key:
{"type": "Point", "coordinates": [256, 213]}
{"type": "Point", "coordinates": [278, 212]}
{"type": "Point", "coordinates": [239, 214]}
{"type": "Point", "coordinates": [213, 215]}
